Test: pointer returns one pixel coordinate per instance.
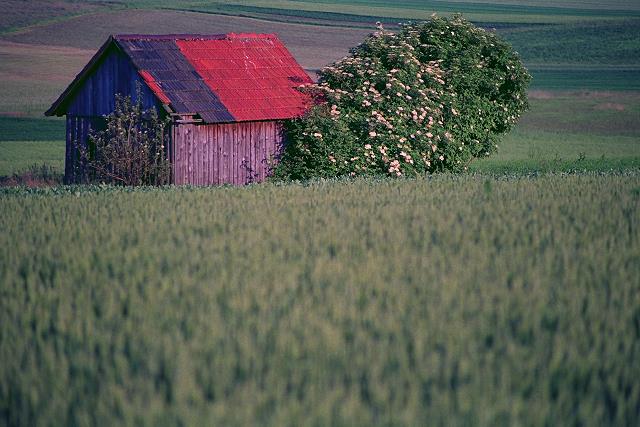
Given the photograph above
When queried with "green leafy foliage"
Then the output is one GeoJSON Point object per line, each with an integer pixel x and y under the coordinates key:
{"type": "Point", "coordinates": [132, 150]}
{"type": "Point", "coordinates": [432, 97]}
{"type": "Point", "coordinates": [452, 300]}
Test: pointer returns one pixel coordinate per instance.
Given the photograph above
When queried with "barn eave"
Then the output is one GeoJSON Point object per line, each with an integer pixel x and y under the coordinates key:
{"type": "Point", "coordinates": [59, 106]}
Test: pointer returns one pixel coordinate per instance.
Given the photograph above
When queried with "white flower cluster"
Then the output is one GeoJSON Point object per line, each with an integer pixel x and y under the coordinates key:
{"type": "Point", "coordinates": [394, 102]}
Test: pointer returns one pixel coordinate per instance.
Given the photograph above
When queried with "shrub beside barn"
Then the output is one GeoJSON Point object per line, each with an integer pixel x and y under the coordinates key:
{"type": "Point", "coordinates": [227, 97]}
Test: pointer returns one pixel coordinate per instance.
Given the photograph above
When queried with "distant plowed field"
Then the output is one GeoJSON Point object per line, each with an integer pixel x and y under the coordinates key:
{"type": "Point", "coordinates": [313, 46]}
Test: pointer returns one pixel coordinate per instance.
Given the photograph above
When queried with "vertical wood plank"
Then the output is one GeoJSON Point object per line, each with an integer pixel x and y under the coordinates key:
{"type": "Point", "coordinates": [201, 157]}
{"type": "Point", "coordinates": [235, 160]}
{"type": "Point", "coordinates": [81, 142]}
{"type": "Point", "coordinates": [263, 150]}
{"type": "Point", "coordinates": [265, 154]}
{"type": "Point", "coordinates": [177, 145]}
{"type": "Point", "coordinates": [188, 155]}
{"type": "Point", "coordinates": [183, 154]}
{"type": "Point", "coordinates": [214, 156]}
{"type": "Point", "coordinates": [202, 139]}
{"type": "Point", "coordinates": [205, 154]}
{"type": "Point", "coordinates": [181, 148]}
{"type": "Point", "coordinates": [189, 135]}
{"type": "Point", "coordinates": [255, 153]}
{"type": "Point", "coordinates": [67, 151]}
{"type": "Point", "coordinates": [268, 128]}
{"type": "Point", "coordinates": [220, 160]}
{"type": "Point", "coordinates": [232, 160]}
{"type": "Point", "coordinates": [171, 155]}
{"type": "Point", "coordinates": [255, 144]}
{"type": "Point", "coordinates": [198, 155]}
{"type": "Point", "coordinates": [244, 165]}
{"type": "Point", "coordinates": [249, 153]}
{"type": "Point", "coordinates": [232, 154]}
{"type": "Point", "coordinates": [207, 163]}
{"type": "Point", "coordinates": [73, 138]}
{"type": "Point", "coordinates": [175, 131]}
{"type": "Point", "coordinates": [183, 161]}
{"type": "Point", "coordinates": [230, 150]}
{"type": "Point", "coordinates": [226, 149]}
{"type": "Point", "coordinates": [216, 133]}
{"type": "Point", "coordinates": [240, 161]}
{"type": "Point", "coordinates": [210, 155]}
{"type": "Point", "coordinates": [195, 147]}
{"type": "Point", "coordinates": [193, 179]}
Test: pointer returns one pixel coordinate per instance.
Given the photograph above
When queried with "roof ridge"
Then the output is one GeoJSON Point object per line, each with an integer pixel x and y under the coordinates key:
{"type": "Point", "coordinates": [221, 36]}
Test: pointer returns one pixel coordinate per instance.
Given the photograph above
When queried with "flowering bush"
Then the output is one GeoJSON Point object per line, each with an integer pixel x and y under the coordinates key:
{"type": "Point", "coordinates": [131, 150]}
{"type": "Point", "coordinates": [429, 98]}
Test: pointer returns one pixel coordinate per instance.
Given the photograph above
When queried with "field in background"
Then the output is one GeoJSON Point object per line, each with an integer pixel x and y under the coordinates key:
{"type": "Point", "coordinates": [358, 11]}
{"type": "Point", "coordinates": [563, 131]}
{"type": "Point", "coordinates": [578, 52]}
{"type": "Point", "coordinates": [19, 156]}
{"type": "Point", "coordinates": [17, 14]}
{"type": "Point", "coordinates": [571, 131]}
{"type": "Point", "coordinates": [458, 300]}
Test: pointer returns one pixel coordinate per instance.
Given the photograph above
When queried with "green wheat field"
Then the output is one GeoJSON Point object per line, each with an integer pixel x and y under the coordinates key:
{"type": "Point", "coordinates": [445, 301]}
{"type": "Point", "coordinates": [509, 295]}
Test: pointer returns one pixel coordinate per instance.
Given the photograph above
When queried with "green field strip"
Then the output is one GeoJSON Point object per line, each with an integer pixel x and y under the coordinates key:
{"type": "Point", "coordinates": [19, 156]}
{"type": "Point", "coordinates": [546, 145]}
{"type": "Point", "coordinates": [569, 79]}
{"type": "Point", "coordinates": [555, 165]}
{"type": "Point", "coordinates": [417, 10]}
{"type": "Point", "coordinates": [291, 15]}
{"type": "Point", "coordinates": [355, 13]}
{"type": "Point", "coordinates": [31, 129]}
{"type": "Point", "coordinates": [597, 42]}
{"type": "Point", "coordinates": [483, 7]}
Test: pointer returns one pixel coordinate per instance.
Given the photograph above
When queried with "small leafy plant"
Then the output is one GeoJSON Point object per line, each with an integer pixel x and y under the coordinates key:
{"type": "Point", "coordinates": [430, 98]}
{"type": "Point", "coordinates": [132, 150]}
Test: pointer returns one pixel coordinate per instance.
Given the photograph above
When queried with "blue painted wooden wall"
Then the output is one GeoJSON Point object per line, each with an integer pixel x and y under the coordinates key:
{"type": "Point", "coordinates": [114, 74]}
{"type": "Point", "coordinates": [95, 99]}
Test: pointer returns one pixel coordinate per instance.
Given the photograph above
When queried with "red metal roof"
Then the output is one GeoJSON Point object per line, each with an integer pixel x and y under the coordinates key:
{"type": "Point", "coordinates": [155, 88]}
{"type": "Point", "coordinates": [222, 77]}
{"type": "Point", "coordinates": [254, 75]}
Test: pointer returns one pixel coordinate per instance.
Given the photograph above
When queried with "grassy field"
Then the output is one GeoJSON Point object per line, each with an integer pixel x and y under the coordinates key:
{"type": "Point", "coordinates": [27, 142]}
{"type": "Point", "coordinates": [19, 156]}
{"type": "Point", "coordinates": [452, 300]}
{"type": "Point", "coordinates": [563, 131]}
{"type": "Point", "coordinates": [571, 131]}
{"type": "Point", "coordinates": [353, 11]}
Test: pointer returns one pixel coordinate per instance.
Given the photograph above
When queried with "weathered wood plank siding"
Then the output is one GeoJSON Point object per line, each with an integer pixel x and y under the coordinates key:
{"type": "Point", "coordinates": [234, 153]}
{"type": "Point", "coordinates": [78, 129]}
{"type": "Point", "coordinates": [95, 99]}
{"type": "Point", "coordinates": [113, 74]}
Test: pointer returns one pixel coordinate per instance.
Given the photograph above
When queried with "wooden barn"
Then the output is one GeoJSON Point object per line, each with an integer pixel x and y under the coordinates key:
{"type": "Point", "coordinates": [227, 96]}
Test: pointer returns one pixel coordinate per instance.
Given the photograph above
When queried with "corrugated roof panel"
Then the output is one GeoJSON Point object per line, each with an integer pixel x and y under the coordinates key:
{"type": "Point", "coordinates": [223, 78]}
{"type": "Point", "coordinates": [247, 72]}
{"type": "Point", "coordinates": [153, 85]}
